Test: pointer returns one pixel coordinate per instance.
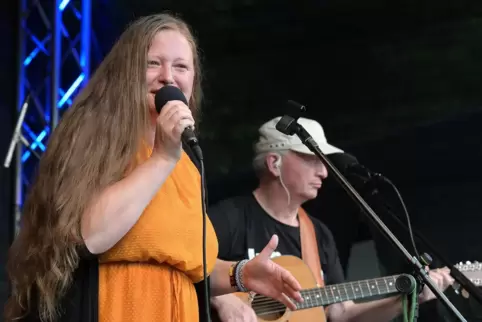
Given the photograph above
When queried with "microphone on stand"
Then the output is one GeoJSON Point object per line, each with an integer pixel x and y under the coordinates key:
{"type": "Point", "coordinates": [362, 178]}
{"type": "Point", "coordinates": [172, 93]}
{"type": "Point", "coordinates": [369, 184]}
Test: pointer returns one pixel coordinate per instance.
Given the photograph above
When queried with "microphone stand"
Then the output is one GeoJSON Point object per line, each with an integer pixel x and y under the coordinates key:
{"type": "Point", "coordinates": [463, 281]}
{"type": "Point", "coordinates": [17, 135]}
{"type": "Point", "coordinates": [289, 126]}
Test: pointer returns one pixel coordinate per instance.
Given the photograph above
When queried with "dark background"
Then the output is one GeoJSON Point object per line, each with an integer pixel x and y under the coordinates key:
{"type": "Point", "coordinates": [7, 117]}
{"type": "Point", "coordinates": [396, 83]}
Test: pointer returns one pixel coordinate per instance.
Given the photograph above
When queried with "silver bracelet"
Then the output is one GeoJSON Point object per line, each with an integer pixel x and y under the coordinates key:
{"type": "Point", "coordinates": [239, 276]}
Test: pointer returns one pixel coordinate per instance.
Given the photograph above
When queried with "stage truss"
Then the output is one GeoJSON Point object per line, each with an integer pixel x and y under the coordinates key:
{"type": "Point", "coordinates": [54, 63]}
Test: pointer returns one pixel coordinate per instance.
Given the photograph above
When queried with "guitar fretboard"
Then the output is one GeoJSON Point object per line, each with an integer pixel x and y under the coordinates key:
{"type": "Point", "coordinates": [323, 296]}
{"type": "Point", "coordinates": [347, 291]}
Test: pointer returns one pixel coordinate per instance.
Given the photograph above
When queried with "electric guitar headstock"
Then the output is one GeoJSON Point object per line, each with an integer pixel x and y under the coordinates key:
{"type": "Point", "coordinates": [471, 270]}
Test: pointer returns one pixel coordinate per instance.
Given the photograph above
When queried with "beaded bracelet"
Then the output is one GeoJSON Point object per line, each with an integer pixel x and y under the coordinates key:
{"type": "Point", "coordinates": [239, 276]}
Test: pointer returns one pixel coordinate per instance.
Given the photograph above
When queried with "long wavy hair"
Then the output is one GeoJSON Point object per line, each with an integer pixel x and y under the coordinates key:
{"type": "Point", "coordinates": [92, 147]}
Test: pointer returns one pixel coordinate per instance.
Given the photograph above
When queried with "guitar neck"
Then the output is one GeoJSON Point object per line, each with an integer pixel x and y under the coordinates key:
{"type": "Point", "coordinates": [322, 296]}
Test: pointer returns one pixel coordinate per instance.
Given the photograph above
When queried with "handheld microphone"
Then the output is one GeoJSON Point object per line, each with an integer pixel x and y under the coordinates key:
{"type": "Point", "coordinates": [172, 93]}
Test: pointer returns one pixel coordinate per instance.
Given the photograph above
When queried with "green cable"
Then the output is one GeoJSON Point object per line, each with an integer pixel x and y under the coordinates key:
{"type": "Point", "coordinates": [414, 305]}
{"type": "Point", "coordinates": [409, 316]}
{"type": "Point", "coordinates": [404, 308]}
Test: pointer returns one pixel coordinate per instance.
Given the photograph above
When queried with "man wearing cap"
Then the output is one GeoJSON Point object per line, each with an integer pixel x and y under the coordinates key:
{"type": "Point", "coordinates": [289, 174]}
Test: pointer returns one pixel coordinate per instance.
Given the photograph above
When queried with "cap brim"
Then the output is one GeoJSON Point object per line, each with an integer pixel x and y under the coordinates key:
{"type": "Point", "coordinates": [325, 148]}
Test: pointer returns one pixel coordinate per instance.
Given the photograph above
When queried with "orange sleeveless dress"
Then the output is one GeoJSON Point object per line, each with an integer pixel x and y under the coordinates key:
{"type": "Point", "coordinates": [149, 274]}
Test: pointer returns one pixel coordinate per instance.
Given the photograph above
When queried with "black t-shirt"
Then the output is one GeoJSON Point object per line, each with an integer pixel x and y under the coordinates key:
{"type": "Point", "coordinates": [243, 229]}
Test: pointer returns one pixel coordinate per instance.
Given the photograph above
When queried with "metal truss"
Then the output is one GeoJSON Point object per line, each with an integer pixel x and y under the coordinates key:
{"type": "Point", "coordinates": [54, 63]}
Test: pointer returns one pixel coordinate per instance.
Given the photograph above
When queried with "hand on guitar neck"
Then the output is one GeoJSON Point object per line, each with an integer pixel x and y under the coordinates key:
{"type": "Point", "coordinates": [440, 276]}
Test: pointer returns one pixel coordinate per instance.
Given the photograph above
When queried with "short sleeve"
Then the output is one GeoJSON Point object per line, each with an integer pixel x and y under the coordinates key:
{"type": "Point", "coordinates": [226, 218]}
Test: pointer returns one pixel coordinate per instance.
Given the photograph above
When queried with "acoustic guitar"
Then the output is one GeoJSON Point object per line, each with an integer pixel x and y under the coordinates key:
{"type": "Point", "coordinates": [315, 298]}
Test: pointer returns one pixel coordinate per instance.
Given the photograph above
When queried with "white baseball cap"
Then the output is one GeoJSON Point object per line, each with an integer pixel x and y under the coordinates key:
{"type": "Point", "coordinates": [270, 139]}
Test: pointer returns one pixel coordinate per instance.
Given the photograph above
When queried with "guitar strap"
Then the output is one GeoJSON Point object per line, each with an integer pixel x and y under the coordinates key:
{"type": "Point", "coordinates": [309, 246]}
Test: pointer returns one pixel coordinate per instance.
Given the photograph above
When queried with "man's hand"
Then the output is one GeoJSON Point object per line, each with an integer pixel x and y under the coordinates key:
{"type": "Point", "coordinates": [231, 308]}
{"type": "Point", "coordinates": [263, 276]}
{"type": "Point", "coordinates": [441, 278]}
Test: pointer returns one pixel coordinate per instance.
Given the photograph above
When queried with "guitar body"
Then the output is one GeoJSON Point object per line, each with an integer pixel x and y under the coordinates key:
{"type": "Point", "coordinates": [305, 277]}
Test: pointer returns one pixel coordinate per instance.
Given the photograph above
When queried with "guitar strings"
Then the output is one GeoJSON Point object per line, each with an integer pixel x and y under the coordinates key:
{"type": "Point", "coordinates": [270, 306]}
{"type": "Point", "coordinates": [261, 308]}
{"type": "Point", "coordinates": [325, 295]}
{"type": "Point", "coordinates": [265, 305]}
{"type": "Point", "coordinates": [356, 287]}
{"type": "Point", "coordinates": [261, 301]}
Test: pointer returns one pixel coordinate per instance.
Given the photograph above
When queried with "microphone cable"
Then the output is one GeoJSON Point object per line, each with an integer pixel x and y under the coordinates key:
{"type": "Point", "coordinates": [204, 214]}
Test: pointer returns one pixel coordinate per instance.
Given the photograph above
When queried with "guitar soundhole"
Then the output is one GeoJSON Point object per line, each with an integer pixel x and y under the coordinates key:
{"type": "Point", "coordinates": [267, 308]}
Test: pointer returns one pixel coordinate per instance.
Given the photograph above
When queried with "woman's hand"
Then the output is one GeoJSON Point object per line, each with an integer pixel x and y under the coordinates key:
{"type": "Point", "coordinates": [174, 117]}
{"type": "Point", "coordinates": [265, 277]}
